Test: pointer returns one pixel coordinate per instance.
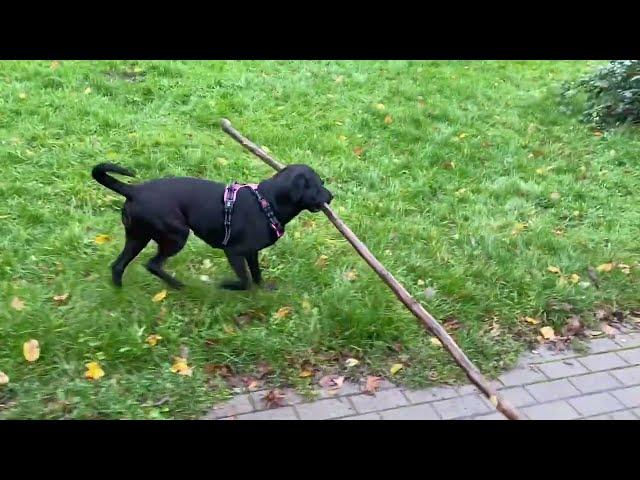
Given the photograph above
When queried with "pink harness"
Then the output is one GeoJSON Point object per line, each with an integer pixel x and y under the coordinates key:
{"type": "Point", "coordinates": [230, 194]}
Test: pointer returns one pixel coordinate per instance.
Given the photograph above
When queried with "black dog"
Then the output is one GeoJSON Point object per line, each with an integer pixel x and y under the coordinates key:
{"type": "Point", "coordinates": [164, 210]}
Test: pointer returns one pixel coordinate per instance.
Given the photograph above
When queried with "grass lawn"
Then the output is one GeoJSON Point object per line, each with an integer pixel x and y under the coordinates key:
{"type": "Point", "coordinates": [464, 177]}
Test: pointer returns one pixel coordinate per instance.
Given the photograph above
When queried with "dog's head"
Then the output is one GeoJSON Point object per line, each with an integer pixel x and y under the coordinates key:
{"type": "Point", "coordinates": [305, 188]}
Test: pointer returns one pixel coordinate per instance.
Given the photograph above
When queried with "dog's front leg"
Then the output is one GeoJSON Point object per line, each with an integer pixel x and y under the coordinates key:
{"type": "Point", "coordinates": [239, 266]}
{"type": "Point", "coordinates": [254, 267]}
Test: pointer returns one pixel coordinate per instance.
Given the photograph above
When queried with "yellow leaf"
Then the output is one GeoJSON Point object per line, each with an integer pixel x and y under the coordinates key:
{"type": "Point", "coordinates": [229, 329]}
{"type": "Point", "coordinates": [342, 138]}
{"type": "Point", "coordinates": [4, 378]}
{"type": "Point", "coordinates": [222, 161]}
{"type": "Point", "coordinates": [153, 339]}
{"type": "Point", "coordinates": [626, 269]}
{"type": "Point", "coordinates": [31, 350]}
{"type": "Point", "coordinates": [87, 90]}
{"type": "Point", "coordinates": [266, 149]}
{"type": "Point", "coordinates": [322, 261]}
{"type": "Point", "coordinates": [54, 65]}
{"type": "Point", "coordinates": [351, 362]}
{"type": "Point", "coordinates": [158, 297]}
{"type": "Point", "coordinates": [388, 119]}
{"type": "Point", "coordinates": [395, 368]}
{"type": "Point", "coordinates": [306, 306]}
{"type": "Point", "coordinates": [555, 196]}
{"type": "Point", "coordinates": [531, 320]}
{"type": "Point", "coordinates": [541, 171]}
{"type": "Point", "coordinates": [434, 341]}
{"type": "Point", "coordinates": [100, 239]}
{"type": "Point", "coordinates": [22, 95]}
{"type": "Point", "coordinates": [421, 283]}
{"type": "Point", "coordinates": [305, 373]}
{"type": "Point", "coordinates": [605, 267]}
{"type": "Point", "coordinates": [608, 330]}
{"type": "Point", "coordinates": [339, 79]}
{"type": "Point", "coordinates": [357, 151]}
{"type": "Point", "coordinates": [380, 106]}
{"type": "Point", "coordinates": [283, 312]}
{"type": "Point", "coordinates": [180, 367]}
{"type": "Point", "coordinates": [547, 333]}
{"type": "Point", "coordinates": [61, 299]}
{"type": "Point", "coordinates": [351, 275]}
{"type": "Point", "coordinates": [494, 400]}
{"type": "Point", "coordinates": [17, 304]}
{"type": "Point", "coordinates": [553, 269]}
{"type": "Point", "coordinates": [574, 278]}
{"type": "Point", "coordinates": [519, 227]}
{"type": "Point", "coordinates": [462, 135]}
{"type": "Point", "coordinates": [597, 133]}
{"type": "Point", "coordinates": [94, 371]}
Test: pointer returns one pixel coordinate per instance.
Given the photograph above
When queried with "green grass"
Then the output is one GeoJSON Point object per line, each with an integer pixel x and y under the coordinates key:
{"type": "Point", "coordinates": [496, 123]}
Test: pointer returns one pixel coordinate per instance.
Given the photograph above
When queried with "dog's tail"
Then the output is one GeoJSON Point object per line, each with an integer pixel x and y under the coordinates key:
{"type": "Point", "coordinates": [99, 173]}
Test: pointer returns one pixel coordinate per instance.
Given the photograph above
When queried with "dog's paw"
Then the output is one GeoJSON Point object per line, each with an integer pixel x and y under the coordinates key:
{"type": "Point", "coordinates": [233, 285]}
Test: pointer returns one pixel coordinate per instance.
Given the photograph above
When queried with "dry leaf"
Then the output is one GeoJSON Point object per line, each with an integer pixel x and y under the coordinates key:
{"type": "Point", "coordinates": [31, 350]}
{"type": "Point", "coordinates": [372, 385]}
{"type": "Point", "coordinates": [421, 283]}
{"type": "Point", "coordinates": [626, 269]}
{"type": "Point", "coordinates": [605, 267]}
{"type": "Point", "coordinates": [17, 304]}
{"type": "Point", "coordinates": [395, 368]}
{"type": "Point", "coordinates": [547, 333]}
{"type": "Point", "coordinates": [61, 299]}
{"type": "Point", "coordinates": [322, 261]}
{"type": "Point", "coordinates": [358, 151]}
{"type": "Point", "coordinates": [435, 342]}
{"type": "Point", "coordinates": [448, 165]}
{"type": "Point", "coordinates": [574, 278]}
{"type": "Point", "coordinates": [305, 374]}
{"type": "Point", "coordinates": [100, 239]}
{"type": "Point", "coordinates": [379, 106]}
{"type": "Point", "coordinates": [94, 371]}
{"type": "Point", "coordinates": [274, 399]}
{"type": "Point", "coordinates": [283, 312]}
{"type": "Point", "coordinates": [351, 362]}
{"type": "Point", "coordinates": [253, 384]}
{"type": "Point", "coordinates": [180, 367]}
{"type": "Point", "coordinates": [339, 79]}
{"type": "Point", "coordinates": [388, 119]}
{"type": "Point", "coordinates": [597, 133]}
{"type": "Point", "coordinates": [342, 138]}
{"type": "Point", "coordinates": [153, 339]}
{"type": "Point", "coordinates": [4, 378]}
{"type": "Point", "coordinates": [462, 135]}
{"type": "Point", "coordinates": [531, 320]}
{"type": "Point", "coordinates": [87, 90]}
{"type": "Point", "coordinates": [351, 275]}
{"type": "Point", "coordinates": [306, 306]}
{"type": "Point", "coordinates": [228, 329]}
{"type": "Point", "coordinates": [161, 295]}
{"type": "Point", "coordinates": [519, 228]}
{"type": "Point", "coordinates": [54, 65]}
{"type": "Point", "coordinates": [22, 95]}
{"type": "Point", "coordinates": [553, 269]}
{"type": "Point", "coordinates": [555, 196]}
{"type": "Point", "coordinates": [574, 326]}
{"type": "Point", "coordinates": [451, 324]}
{"type": "Point", "coordinates": [222, 370]}
{"type": "Point", "coordinates": [608, 330]}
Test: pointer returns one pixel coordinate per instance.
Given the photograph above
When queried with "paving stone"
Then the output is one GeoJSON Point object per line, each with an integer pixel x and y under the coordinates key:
{"type": "Point", "coordinates": [559, 410]}
{"type": "Point", "coordinates": [518, 396]}
{"type": "Point", "coordinates": [521, 376]}
{"type": "Point", "coordinates": [628, 376]}
{"type": "Point", "coordinates": [565, 368]}
{"type": "Point", "coordinates": [600, 345]}
{"type": "Point", "coordinates": [348, 388]}
{"type": "Point", "coordinates": [236, 406]}
{"type": "Point", "coordinates": [326, 409]}
{"type": "Point", "coordinates": [602, 361]}
{"type": "Point", "coordinates": [595, 382]}
{"type": "Point", "coordinates": [461, 407]}
{"type": "Point", "coordinates": [631, 356]}
{"type": "Point", "coordinates": [430, 394]}
{"type": "Point", "coordinates": [629, 396]}
{"type": "Point", "coordinates": [366, 416]}
{"type": "Point", "coordinates": [382, 400]}
{"type": "Point", "coordinates": [291, 397]}
{"type": "Point", "coordinates": [595, 404]}
{"type": "Point", "coordinates": [623, 415]}
{"type": "Point", "coordinates": [553, 390]}
{"type": "Point", "coordinates": [490, 416]}
{"type": "Point", "coordinates": [629, 340]}
{"type": "Point", "coordinates": [412, 412]}
{"type": "Point", "coordinates": [283, 413]}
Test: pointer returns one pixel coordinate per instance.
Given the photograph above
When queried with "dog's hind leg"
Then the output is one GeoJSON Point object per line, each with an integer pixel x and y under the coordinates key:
{"type": "Point", "coordinates": [168, 246]}
{"type": "Point", "coordinates": [254, 267]}
{"type": "Point", "coordinates": [239, 266]}
{"type": "Point", "coordinates": [132, 248]}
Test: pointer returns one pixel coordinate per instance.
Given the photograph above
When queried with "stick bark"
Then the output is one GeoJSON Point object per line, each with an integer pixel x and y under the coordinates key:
{"type": "Point", "coordinates": [425, 318]}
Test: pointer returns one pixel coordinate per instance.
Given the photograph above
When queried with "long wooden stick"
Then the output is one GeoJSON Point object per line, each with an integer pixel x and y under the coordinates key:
{"type": "Point", "coordinates": [425, 318]}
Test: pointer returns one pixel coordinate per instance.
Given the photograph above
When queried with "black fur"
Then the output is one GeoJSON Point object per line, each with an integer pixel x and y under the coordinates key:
{"type": "Point", "coordinates": [165, 210]}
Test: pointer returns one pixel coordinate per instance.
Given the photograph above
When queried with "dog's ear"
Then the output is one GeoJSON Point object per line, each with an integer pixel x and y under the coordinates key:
{"type": "Point", "coordinates": [298, 186]}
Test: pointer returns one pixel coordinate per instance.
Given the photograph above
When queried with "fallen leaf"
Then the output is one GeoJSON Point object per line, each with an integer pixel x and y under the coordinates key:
{"type": "Point", "coordinates": [4, 378]}
{"type": "Point", "coordinates": [274, 399]}
{"type": "Point", "coordinates": [153, 339]}
{"type": "Point", "coordinates": [342, 138]}
{"type": "Point", "coordinates": [305, 374]}
{"type": "Point", "coordinates": [214, 369]}
{"type": "Point", "coordinates": [87, 90]}
{"type": "Point", "coordinates": [429, 293]}
{"type": "Point", "coordinates": [597, 133]}
{"type": "Point", "coordinates": [61, 299]}
{"type": "Point", "coordinates": [339, 79]}
{"type": "Point", "coordinates": [531, 320]}
{"type": "Point", "coordinates": [626, 269]}
{"type": "Point", "coordinates": [31, 350]}
{"type": "Point", "coordinates": [266, 149]}
{"type": "Point", "coordinates": [462, 135]}
{"type": "Point", "coordinates": [22, 95]}
{"type": "Point", "coordinates": [204, 278]}
{"type": "Point", "coordinates": [358, 151]}
{"type": "Point", "coordinates": [264, 369]}
{"type": "Point", "coordinates": [448, 165]}
{"type": "Point", "coordinates": [519, 228]}
{"type": "Point", "coordinates": [252, 384]}
{"type": "Point", "coordinates": [420, 283]}
{"type": "Point", "coordinates": [100, 239]}
{"type": "Point", "coordinates": [555, 196]}
{"type": "Point", "coordinates": [605, 267]}
{"type": "Point", "coordinates": [547, 333]}
{"type": "Point", "coordinates": [351, 275]}
{"type": "Point", "coordinates": [435, 342]}
{"type": "Point", "coordinates": [306, 306]}
{"type": "Point", "coordinates": [574, 278]}
{"type": "Point", "coordinates": [158, 297]}
{"type": "Point", "coordinates": [54, 65]}
{"type": "Point", "coordinates": [593, 333]}
{"type": "Point", "coordinates": [372, 385]}
{"type": "Point", "coordinates": [180, 367]}
{"type": "Point", "coordinates": [553, 269]}
{"type": "Point", "coordinates": [17, 304]}
{"type": "Point", "coordinates": [379, 106]}
{"type": "Point", "coordinates": [228, 329]}
{"type": "Point", "coordinates": [351, 362]}
{"type": "Point", "coordinates": [608, 330]}
{"type": "Point", "coordinates": [494, 331]}
{"type": "Point", "coordinates": [242, 320]}
{"type": "Point", "coordinates": [573, 327]}
{"type": "Point", "coordinates": [395, 368]}
{"type": "Point", "coordinates": [283, 312]}
{"type": "Point", "coordinates": [94, 371]}
{"type": "Point", "coordinates": [593, 276]}
{"type": "Point", "coordinates": [388, 120]}
{"type": "Point", "coordinates": [322, 261]}
{"type": "Point", "coordinates": [452, 324]}
{"type": "Point", "coordinates": [494, 400]}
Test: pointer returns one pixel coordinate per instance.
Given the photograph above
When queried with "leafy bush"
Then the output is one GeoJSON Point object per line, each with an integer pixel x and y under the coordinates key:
{"type": "Point", "coordinates": [612, 94]}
